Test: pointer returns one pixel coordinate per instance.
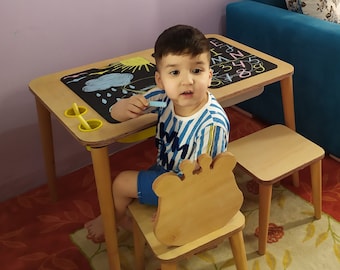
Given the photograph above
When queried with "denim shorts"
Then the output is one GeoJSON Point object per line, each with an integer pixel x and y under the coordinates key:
{"type": "Point", "coordinates": [144, 185]}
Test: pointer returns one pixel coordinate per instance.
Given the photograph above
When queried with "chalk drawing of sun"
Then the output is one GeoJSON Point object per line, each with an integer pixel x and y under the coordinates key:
{"type": "Point", "coordinates": [132, 64]}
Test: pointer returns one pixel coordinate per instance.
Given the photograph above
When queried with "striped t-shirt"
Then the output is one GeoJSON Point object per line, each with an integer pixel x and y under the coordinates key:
{"type": "Point", "coordinates": [179, 138]}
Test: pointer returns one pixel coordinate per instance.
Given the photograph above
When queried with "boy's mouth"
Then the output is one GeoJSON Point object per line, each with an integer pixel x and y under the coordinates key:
{"type": "Point", "coordinates": [187, 93]}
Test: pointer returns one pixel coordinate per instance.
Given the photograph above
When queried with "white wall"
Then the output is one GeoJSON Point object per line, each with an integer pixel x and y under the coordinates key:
{"type": "Point", "coordinates": [44, 36]}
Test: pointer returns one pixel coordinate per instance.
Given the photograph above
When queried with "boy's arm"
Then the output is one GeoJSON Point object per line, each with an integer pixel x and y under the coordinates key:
{"type": "Point", "coordinates": [129, 108]}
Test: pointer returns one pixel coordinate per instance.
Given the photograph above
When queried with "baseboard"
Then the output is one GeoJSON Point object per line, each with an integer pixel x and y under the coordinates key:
{"type": "Point", "coordinates": [335, 158]}
{"type": "Point", "coordinates": [238, 109]}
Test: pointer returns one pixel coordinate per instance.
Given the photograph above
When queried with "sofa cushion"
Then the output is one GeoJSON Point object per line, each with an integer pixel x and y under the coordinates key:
{"type": "Point", "coordinates": [276, 3]}
{"type": "Point", "coordinates": [328, 10]}
{"type": "Point", "coordinates": [294, 5]}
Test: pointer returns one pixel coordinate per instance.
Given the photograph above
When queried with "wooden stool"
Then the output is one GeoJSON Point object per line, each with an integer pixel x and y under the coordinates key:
{"type": "Point", "coordinates": [272, 154]}
{"type": "Point", "coordinates": [194, 214]}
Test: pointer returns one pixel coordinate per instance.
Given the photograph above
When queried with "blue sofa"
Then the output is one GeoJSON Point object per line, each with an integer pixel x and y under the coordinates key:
{"type": "Point", "coordinates": [312, 46]}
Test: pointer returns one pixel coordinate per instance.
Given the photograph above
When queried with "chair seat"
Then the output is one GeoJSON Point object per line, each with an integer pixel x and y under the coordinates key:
{"type": "Point", "coordinates": [274, 153]}
{"type": "Point", "coordinates": [143, 214]}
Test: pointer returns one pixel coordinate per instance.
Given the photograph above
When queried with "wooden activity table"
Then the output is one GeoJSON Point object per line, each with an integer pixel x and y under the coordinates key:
{"type": "Point", "coordinates": [54, 97]}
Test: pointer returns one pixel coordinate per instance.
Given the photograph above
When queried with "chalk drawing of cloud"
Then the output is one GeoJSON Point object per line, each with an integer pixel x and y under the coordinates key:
{"type": "Point", "coordinates": [107, 81]}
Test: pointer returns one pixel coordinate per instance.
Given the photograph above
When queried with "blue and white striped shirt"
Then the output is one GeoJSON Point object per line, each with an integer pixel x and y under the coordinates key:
{"type": "Point", "coordinates": [179, 138]}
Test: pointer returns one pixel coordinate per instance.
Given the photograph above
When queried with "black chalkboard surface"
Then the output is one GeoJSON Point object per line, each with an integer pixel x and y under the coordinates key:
{"type": "Point", "coordinates": [230, 64]}
{"type": "Point", "coordinates": [100, 88]}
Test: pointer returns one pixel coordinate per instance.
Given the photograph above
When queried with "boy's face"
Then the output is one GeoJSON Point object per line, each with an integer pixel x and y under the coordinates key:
{"type": "Point", "coordinates": [185, 79]}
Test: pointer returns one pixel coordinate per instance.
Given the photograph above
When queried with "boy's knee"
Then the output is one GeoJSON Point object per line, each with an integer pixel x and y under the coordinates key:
{"type": "Point", "coordinates": [124, 183]}
{"type": "Point", "coordinates": [119, 180]}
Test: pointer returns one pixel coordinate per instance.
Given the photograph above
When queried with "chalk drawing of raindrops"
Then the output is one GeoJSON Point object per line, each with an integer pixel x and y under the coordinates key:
{"type": "Point", "coordinates": [124, 91]}
{"type": "Point", "coordinates": [104, 101]}
{"type": "Point", "coordinates": [98, 95]}
{"type": "Point", "coordinates": [108, 95]}
{"type": "Point", "coordinates": [114, 89]}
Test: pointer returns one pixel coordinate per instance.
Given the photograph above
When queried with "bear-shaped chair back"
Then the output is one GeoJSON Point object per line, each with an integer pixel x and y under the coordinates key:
{"type": "Point", "coordinates": [201, 202]}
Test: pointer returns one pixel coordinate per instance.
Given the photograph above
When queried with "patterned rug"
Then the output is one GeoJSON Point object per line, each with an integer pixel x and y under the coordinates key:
{"type": "Point", "coordinates": [297, 240]}
{"type": "Point", "coordinates": [35, 232]}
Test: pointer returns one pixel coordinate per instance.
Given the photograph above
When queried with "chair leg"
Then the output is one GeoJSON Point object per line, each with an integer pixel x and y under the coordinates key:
{"type": "Point", "coordinates": [265, 196]}
{"type": "Point", "coordinates": [139, 244]}
{"type": "Point", "coordinates": [168, 266]}
{"type": "Point", "coordinates": [316, 178]}
{"type": "Point", "coordinates": [239, 251]}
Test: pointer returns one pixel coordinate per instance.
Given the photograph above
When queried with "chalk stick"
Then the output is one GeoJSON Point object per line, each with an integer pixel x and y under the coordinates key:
{"type": "Point", "coordinates": [161, 104]}
{"type": "Point", "coordinates": [75, 109]}
{"type": "Point", "coordinates": [83, 122]}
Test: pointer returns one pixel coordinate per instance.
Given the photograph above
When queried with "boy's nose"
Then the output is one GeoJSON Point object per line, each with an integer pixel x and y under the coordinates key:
{"type": "Point", "coordinates": [187, 78]}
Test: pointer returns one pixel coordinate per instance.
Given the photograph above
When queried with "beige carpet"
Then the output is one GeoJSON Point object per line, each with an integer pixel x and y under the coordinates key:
{"type": "Point", "coordinates": [299, 241]}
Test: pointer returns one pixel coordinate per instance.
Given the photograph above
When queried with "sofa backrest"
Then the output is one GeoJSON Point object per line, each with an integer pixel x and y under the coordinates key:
{"type": "Point", "coordinates": [277, 3]}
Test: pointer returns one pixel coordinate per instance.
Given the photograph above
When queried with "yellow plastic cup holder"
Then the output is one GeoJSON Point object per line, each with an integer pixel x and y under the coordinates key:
{"type": "Point", "coordinates": [71, 113]}
{"type": "Point", "coordinates": [93, 123]}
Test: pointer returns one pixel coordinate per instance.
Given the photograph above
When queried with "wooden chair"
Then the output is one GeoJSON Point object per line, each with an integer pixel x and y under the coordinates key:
{"type": "Point", "coordinates": [194, 214]}
{"type": "Point", "coordinates": [272, 154]}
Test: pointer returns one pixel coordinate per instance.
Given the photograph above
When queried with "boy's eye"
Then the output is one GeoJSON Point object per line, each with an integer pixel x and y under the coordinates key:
{"type": "Point", "coordinates": [174, 72]}
{"type": "Point", "coordinates": [196, 70]}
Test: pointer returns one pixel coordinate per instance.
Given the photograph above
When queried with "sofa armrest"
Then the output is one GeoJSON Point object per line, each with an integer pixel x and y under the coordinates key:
{"type": "Point", "coordinates": [312, 46]}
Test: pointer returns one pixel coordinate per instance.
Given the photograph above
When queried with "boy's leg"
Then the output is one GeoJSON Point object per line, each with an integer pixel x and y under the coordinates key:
{"type": "Point", "coordinates": [124, 189]}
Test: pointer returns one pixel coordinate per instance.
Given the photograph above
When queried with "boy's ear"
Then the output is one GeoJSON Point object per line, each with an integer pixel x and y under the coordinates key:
{"type": "Point", "coordinates": [210, 77]}
{"type": "Point", "coordinates": [158, 80]}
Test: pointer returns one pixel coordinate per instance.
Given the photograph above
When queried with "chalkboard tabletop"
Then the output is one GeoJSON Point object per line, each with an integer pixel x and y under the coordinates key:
{"type": "Point", "coordinates": [102, 87]}
{"type": "Point", "coordinates": [238, 69]}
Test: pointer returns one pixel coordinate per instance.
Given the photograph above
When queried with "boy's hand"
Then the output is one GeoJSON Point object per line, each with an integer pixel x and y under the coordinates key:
{"type": "Point", "coordinates": [128, 108]}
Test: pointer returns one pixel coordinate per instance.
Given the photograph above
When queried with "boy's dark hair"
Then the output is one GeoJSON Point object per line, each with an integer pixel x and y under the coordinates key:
{"type": "Point", "coordinates": [181, 39]}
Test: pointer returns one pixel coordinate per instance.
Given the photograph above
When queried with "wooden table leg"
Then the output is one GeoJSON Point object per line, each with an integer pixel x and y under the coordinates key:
{"type": "Point", "coordinates": [289, 112]}
{"type": "Point", "coordinates": [288, 101]}
{"type": "Point", "coordinates": [102, 173]}
{"type": "Point", "coordinates": [45, 126]}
